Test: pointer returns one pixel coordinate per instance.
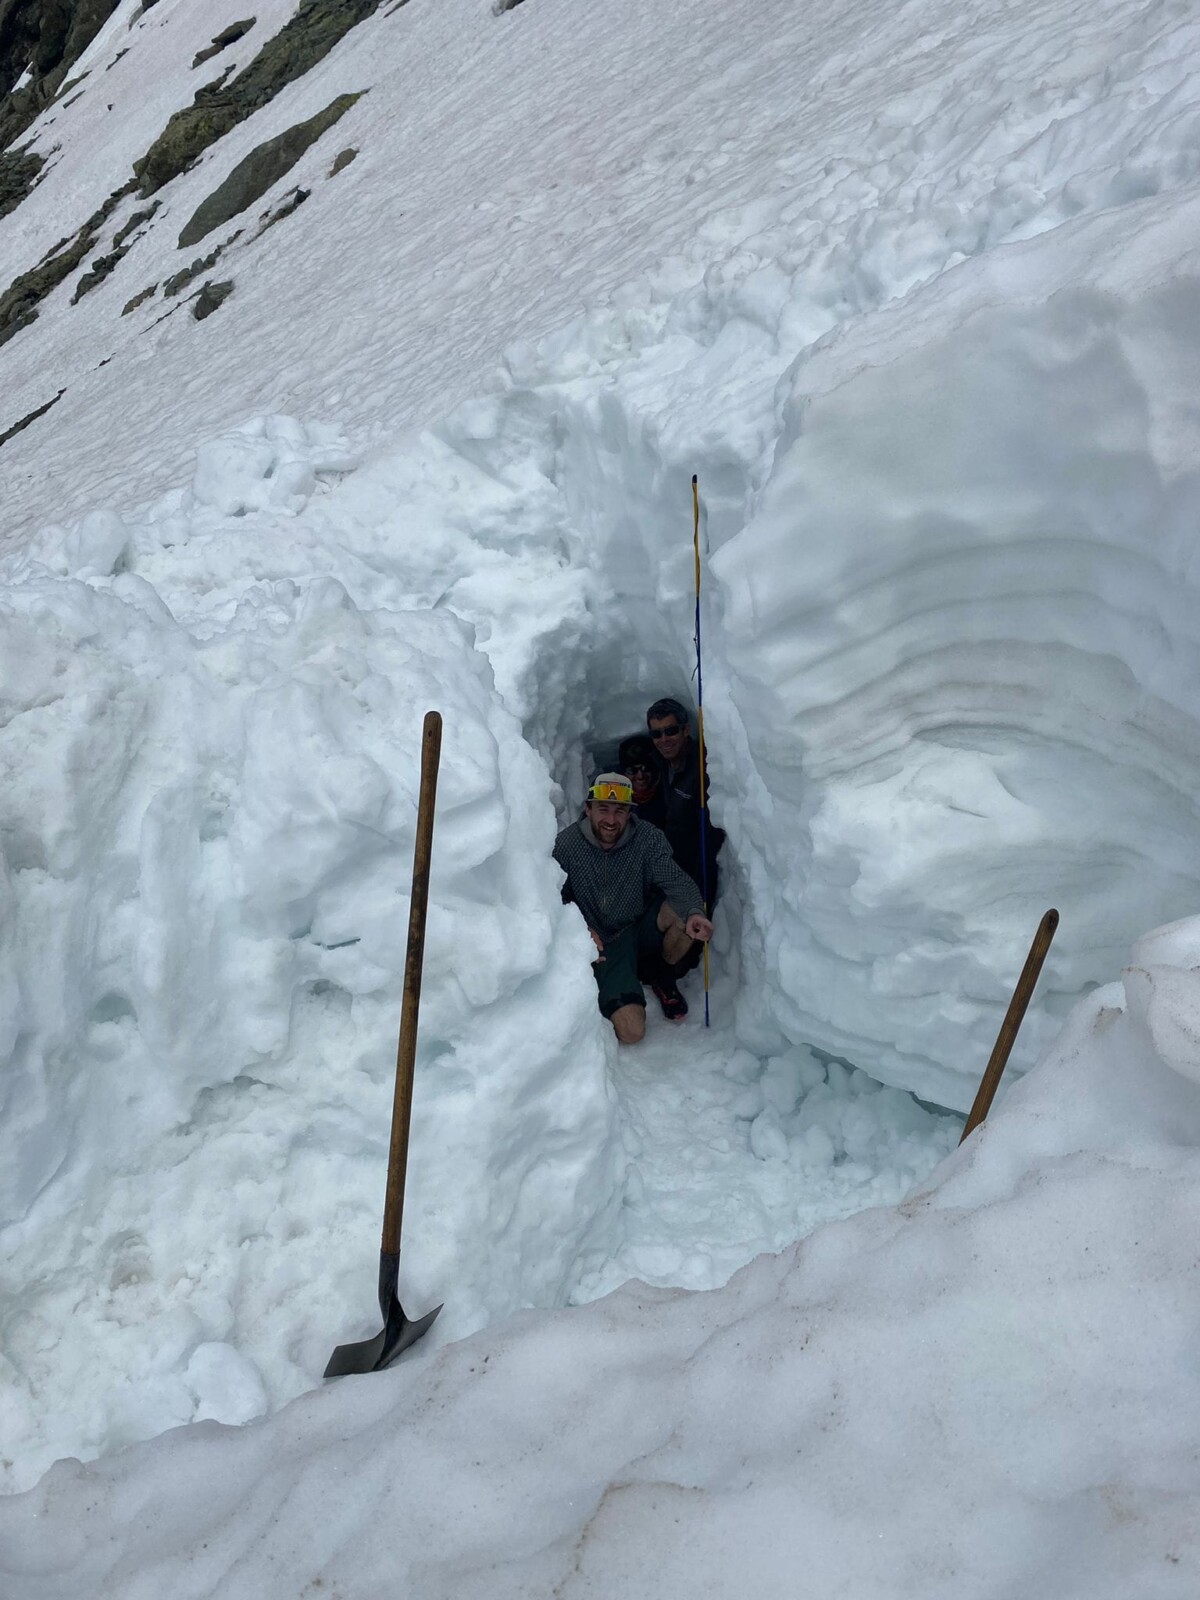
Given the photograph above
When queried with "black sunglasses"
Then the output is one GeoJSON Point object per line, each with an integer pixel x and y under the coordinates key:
{"type": "Point", "coordinates": [638, 766]}
{"type": "Point", "coordinates": [665, 733]}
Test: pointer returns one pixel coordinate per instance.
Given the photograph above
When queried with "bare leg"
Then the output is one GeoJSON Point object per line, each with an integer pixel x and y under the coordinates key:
{"type": "Point", "coordinates": [676, 943]}
{"type": "Point", "coordinates": [629, 1023]}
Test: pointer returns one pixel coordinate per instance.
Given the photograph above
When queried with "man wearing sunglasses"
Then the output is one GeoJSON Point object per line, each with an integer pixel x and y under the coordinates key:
{"type": "Point", "coordinates": [643, 912]}
{"type": "Point", "coordinates": [668, 729]}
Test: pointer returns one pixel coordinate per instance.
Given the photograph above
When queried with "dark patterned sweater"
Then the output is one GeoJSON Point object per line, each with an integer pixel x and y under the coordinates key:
{"type": "Point", "coordinates": [613, 887]}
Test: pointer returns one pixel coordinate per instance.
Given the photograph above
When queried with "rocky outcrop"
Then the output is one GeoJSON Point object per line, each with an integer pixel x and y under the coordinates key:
{"type": "Point", "coordinates": [18, 174]}
{"type": "Point", "coordinates": [97, 272]}
{"type": "Point", "coordinates": [43, 38]}
{"type": "Point", "coordinates": [180, 280]}
{"type": "Point", "coordinates": [138, 299]}
{"type": "Point", "coordinates": [137, 220]}
{"type": "Point", "coordinates": [20, 301]}
{"type": "Point", "coordinates": [291, 202]}
{"type": "Point", "coordinates": [310, 35]}
{"type": "Point", "coordinates": [257, 172]}
{"type": "Point", "coordinates": [47, 37]}
{"type": "Point", "coordinates": [30, 416]}
{"type": "Point", "coordinates": [222, 40]}
{"type": "Point", "coordinates": [210, 297]}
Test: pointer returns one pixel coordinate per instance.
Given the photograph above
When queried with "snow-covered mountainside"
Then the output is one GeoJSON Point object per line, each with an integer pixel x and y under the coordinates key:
{"type": "Point", "coordinates": [355, 358]}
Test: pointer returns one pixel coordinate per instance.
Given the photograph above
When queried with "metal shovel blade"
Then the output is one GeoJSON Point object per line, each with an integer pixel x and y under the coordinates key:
{"type": "Point", "coordinates": [373, 1355]}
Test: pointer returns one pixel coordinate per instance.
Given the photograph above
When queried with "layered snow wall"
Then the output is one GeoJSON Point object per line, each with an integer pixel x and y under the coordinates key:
{"type": "Point", "coordinates": [949, 617]}
{"type": "Point", "coordinates": [949, 625]}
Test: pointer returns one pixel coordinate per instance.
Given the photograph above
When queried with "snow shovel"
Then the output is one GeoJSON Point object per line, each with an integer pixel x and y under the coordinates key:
{"type": "Point", "coordinates": [372, 1355]}
{"type": "Point", "coordinates": [1007, 1036]}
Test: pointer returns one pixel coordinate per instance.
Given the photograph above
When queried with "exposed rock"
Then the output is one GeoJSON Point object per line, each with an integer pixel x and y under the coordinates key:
{"type": "Point", "coordinates": [18, 174]}
{"type": "Point", "coordinates": [180, 280]}
{"type": "Point", "coordinates": [48, 36]}
{"type": "Point", "coordinates": [210, 297]}
{"type": "Point", "coordinates": [291, 202]}
{"type": "Point", "coordinates": [303, 41]}
{"type": "Point", "coordinates": [135, 222]}
{"type": "Point", "coordinates": [30, 416]}
{"type": "Point", "coordinates": [19, 302]}
{"type": "Point", "coordinates": [97, 273]}
{"type": "Point", "coordinates": [184, 139]}
{"type": "Point", "coordinates": [342, 160]}
{"type": "Point", "coordinates": [222, 40]}
{"type": "Point", "coordinates": [259, 171]}
{"type": "Point", "coordinates": [138, 299]}
{"type": "Point", "coordinates": [219, 82]}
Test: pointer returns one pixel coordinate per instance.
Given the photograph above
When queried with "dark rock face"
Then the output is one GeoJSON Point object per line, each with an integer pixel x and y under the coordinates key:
{"type": "Point", "coordinates": [138, 300]}
{"type": "Point", "coordinates": [310, 35]}
{"type": "Point", "coordinates": [342, 160]}
{"type": "Point", "coordinates": [18, 174]}
{"type": "Point", "coordinates": [222, 40]}
{"type": "Point", "coordinates": [30, 416]}
{"type": "Point", "coordinates": [258, 171]}
{"type": "Point", "coordinates": [180, 280]}
{"type": "Point", "coordinates": [134, 223]}
{"type": "Point", "coordinates": [48, 36]}
{"type": "Point", "coordinates": [210, 297]}
{"type": "Point", "coordinates": [291, 203]}
{"type": "Point", "coordinates": [19, 302]}
{"type": "Point", "coordinates": [98, 271]}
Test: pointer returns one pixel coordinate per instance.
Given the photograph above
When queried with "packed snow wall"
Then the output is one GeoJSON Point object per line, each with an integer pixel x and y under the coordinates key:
{"type": "Point", "coordinates": [210, 763]}
{"type": "Point", "coordinates": [961, 635]}
{"type": "Point", "coordinates": [949, 614]}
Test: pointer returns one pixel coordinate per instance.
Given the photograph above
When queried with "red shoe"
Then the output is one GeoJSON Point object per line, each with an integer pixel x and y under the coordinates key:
{"type": "Point", "coordinates": [674, 1006]}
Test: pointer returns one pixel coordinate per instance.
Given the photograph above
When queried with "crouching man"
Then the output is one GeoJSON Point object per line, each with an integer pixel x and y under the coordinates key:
{"type": "Point", "coordinates": [642, 910]}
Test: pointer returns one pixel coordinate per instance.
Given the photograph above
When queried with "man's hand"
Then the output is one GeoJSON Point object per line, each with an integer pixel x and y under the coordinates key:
{"type": "Point", "coordinates": [599, 943]}
{"type": "Point", "coordinates": [698, 927]}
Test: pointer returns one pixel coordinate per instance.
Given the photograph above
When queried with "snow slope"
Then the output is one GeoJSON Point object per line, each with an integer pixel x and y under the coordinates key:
{"type": "Point", "coordinates": [914, 292]}
{"type": "Point", "coordinates": [988, 1390]}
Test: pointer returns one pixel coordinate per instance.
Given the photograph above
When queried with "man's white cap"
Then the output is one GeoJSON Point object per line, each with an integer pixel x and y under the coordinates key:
{"type": "Point", "coordinates": [612, 786]}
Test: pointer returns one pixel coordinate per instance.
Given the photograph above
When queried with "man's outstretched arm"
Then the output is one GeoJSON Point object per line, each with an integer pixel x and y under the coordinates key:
{"type": "Point", "coordinates": [682, 892]}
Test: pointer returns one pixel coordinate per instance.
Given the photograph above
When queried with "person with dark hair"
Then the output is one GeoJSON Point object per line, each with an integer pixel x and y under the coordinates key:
{"type": "Point", "coordinates": [643, 913]}
{"type": "Point", "coordinates": [668, 728]}
{"type": "Point", "coordinates": [636, 757]}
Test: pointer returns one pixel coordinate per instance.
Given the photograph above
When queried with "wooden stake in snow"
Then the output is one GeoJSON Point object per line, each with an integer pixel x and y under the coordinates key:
{"type": "Point", "coordinates": [1006, 1038]}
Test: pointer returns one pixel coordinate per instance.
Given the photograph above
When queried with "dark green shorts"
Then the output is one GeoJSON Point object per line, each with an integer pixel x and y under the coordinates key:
{"type": "Point", "coordinates": [629, 956]}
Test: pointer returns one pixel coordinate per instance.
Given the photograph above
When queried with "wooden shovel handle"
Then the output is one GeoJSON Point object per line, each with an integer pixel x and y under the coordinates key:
{"type": "Point", "coordinates": [1006, 1038]}
{"type": "Point", "coordinates": [406, 1049]}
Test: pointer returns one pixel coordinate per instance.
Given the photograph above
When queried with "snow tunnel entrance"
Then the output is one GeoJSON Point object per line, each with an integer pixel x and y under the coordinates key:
{"type": "Point", "coordinates": [728, 1151]}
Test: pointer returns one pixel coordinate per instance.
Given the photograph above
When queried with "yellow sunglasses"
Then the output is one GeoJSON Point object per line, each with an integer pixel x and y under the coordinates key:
{"type": "Point", "coordinates": [622, 793]}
